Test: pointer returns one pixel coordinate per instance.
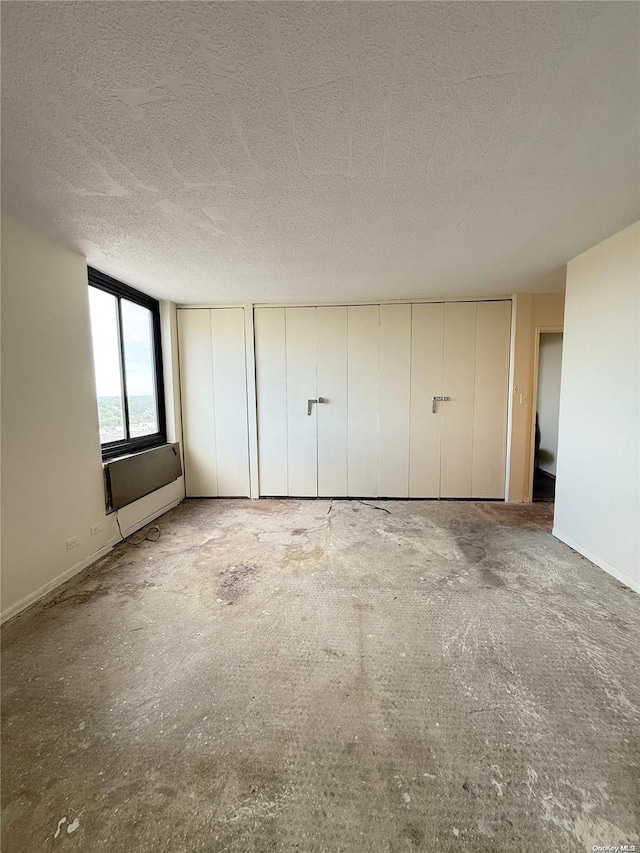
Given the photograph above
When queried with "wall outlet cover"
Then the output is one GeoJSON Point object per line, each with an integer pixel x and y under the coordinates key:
{"type": "Point", "coordinates": [96, 528]}
{"type": "Point", "coordinates": [73, 542]}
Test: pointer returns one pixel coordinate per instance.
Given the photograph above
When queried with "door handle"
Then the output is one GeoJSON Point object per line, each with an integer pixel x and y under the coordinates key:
{"type": "Point", "coordinates": [436, 400]}
{"type": "Point", "coordinates": [311, 402]}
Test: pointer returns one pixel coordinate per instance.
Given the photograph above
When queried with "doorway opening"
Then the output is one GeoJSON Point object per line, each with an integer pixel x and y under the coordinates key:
{"type": "Point", "coordinates": [547, 413]}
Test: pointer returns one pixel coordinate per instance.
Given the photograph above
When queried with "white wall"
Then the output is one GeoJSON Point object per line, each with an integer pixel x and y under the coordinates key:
{"type": "Point", "coordinates": [52, 485]}
{"type": "Point", "coordinates": [598, 481]}
{"type": "Point", "coordinates": [548, 407]}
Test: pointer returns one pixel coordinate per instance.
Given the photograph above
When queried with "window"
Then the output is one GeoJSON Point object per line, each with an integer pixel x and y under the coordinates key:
{"type": "Point", "coordinates": [125, 327]}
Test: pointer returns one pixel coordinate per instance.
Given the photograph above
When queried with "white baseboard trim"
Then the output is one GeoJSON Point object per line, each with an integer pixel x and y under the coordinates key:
{"type": "Point", "coordinates": [30, 599]}
{"type": "Point", "coordinates": [599, 561]}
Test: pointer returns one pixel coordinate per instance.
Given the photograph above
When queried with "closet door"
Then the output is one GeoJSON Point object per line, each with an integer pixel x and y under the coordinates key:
{"type": "Point", "coordinates": [427, 329]}
{"type": "Point", "coordinates": [332, 413]}
{"type": "Point", "coordinates": [198, 412]}
{"type": "Point", "coordinates": [286, 365]}
{"type": "Point", "coordinates": [213, 383]}
{"type": "Point", "coordinates": [394, 397]}
{"type": "Point", "coordinates": [378, 430]}
{"type": "Point", "coordinates": [271, 390]}
{"type": "Point", "coordinates": [493, 330]}
{"type": "Point", "coordinates": [302, 415]}
{"type": "Point", "coordinates": [363, 346]}
{"type": "Point", "coordinates": [230, 401]}
{"type": "Point", "coordinates": [458, 377]}
{"type": "Point", "coordinates": [475, 377]}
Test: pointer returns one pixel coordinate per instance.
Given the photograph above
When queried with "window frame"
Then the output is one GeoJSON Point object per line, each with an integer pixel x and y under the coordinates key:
{"type": "Point", "coordinates": [123, 447]}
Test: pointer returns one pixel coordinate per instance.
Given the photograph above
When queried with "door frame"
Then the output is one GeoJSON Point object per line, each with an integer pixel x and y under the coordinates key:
{"type": "Point", "coordinates": [537, 332]}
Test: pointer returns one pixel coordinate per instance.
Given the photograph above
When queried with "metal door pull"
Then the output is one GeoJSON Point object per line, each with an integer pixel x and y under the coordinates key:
{"type": "Point", "coordinates": [436, 400]}
{"type": "Point", "coordinates": [311, 402]}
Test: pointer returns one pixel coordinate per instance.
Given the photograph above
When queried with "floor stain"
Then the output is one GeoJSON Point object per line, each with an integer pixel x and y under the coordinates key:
{"type": "Point", "coordinates": [472, 551]}
{"type": "Point", "coordinates": [414, 834]}
{"type": "Point", "coordinates": [295, 555]}
{"type": "Point", "coordinates": [332, 653]}
{"type": "Point", "coordinates": [490, 577]}
{"type": "Point", "coordinates": [76, 598]}
{"type": "Point", "coordinates": [235, 581]}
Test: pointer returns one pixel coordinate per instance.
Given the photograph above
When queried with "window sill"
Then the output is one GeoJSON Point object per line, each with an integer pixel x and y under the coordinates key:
{"type": "Point", "coordinates": [115, 453]}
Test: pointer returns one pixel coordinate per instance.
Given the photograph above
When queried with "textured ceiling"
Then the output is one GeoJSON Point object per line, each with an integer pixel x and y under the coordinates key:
{"type": "Point", "coordinates": [231, 152]}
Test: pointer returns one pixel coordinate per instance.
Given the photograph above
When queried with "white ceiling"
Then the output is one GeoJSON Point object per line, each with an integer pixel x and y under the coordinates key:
{"type": "Point", "coordinates": [236, 152]}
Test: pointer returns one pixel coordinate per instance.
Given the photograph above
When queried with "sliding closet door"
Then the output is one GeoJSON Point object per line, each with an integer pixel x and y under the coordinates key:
{"type": "Point", "coordinates": [286, 365]}
{"type": "Point", "coordinates": [332, 373]}
{"type": "Point", "coordinates": [458, 377]}
{"type": "Point", "coordinates": [213, 384]}
{"type": "Point", "coordinates": [362, 414]}
{"type": "Point", "coordinates": [302, 416]}
{"type": "Point", "coordinates": [271, 389]}
{"type": "Point", "coordinates": [475, 377]}
{"type": "Point", "coordinates": [198, 412]}
{"type": "Point", "coordinates": [230, 401]}
{"type": "Point", "coordinates": [490, 400]}
{"type": "Point", "coordinates": [378, 431]}
{"type": "Point", "coordinates": [394, 397]}
{"type": "Point", "coordinates": [427, 329]}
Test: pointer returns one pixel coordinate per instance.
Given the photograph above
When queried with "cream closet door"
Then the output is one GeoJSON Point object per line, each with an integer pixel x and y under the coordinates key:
{"type": "Point", "coordinates": [427, 330]}
{"type": "Point", "coordinates": [362, 399]}
{"type": "Point", "coordinates": [302, 416]}
{"type": "Point", "coordinates": [332, 414]}
{"type": "Point", "coordinates": [286, 352]}
{"type": "Point", "coordinates": [458, 378]}
{"type": "Point", "coordinates": [271, 392]}
{"type": "Point", "coordinates": [213, 382]}
{"type": "Point", "coordinates": [383, 400]}
{"type": "Point", "coordinates": [493, 336]}
{"type": "Point", "coordinates": [474, 417]}
{"type": "Point", "coordinates": [301, 385]}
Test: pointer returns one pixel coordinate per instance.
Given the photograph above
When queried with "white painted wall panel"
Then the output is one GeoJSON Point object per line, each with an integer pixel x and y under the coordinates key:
{"type": "Point", "coordinates": [198, 412]}
{"type": "Point", "coordinates": [332, 325]}
{"type": "Point", "coordinates": [363, 400]}
{"type": "Point", "coordinates": [426, 383]}
{"type": "Point", "coordinates": [598, 477]}
{"type": "Point", "coordinates": [302, 432]}
{"type": "Point", "coordinates": [490, 399]}
{"type": "Point", "coordinates": [271, 392]}
{"type": "Point", "coordinates": [458, 377]}
{"type": "Point", "coordinates": [394, 394]}
{"type": "Point", "coordinates": [230, 401]}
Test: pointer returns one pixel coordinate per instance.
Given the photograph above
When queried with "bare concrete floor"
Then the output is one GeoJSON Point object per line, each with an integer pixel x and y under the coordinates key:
{"type": "Point", "coordinates": [315, 676]}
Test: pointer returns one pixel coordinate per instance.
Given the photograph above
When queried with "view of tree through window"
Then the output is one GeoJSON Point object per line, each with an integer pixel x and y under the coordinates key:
{"type": "Point", "coordinates": [124, 348]}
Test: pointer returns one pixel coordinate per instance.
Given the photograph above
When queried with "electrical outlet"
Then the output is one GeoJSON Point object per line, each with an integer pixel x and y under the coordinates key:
{"type": "Point", "coordinates": [73, 542]}
{"type": "Point", "coordinates": [96, 528]}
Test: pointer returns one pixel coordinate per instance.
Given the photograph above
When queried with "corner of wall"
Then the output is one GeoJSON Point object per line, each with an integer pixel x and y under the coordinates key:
{"type": "Point", "coordinates": [171, 365]}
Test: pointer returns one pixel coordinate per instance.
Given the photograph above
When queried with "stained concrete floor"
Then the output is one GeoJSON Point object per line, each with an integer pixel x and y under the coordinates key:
{"type": "Point", "coordinates": [315, 676]}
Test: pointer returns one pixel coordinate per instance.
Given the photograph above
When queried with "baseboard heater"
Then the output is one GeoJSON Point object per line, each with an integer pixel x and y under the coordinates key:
{"type": "Point", "coordinates": [132, 477]}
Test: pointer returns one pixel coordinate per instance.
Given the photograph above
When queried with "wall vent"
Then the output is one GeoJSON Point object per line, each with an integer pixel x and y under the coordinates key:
{"type": "Point", "coordinates": [131, 477]}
